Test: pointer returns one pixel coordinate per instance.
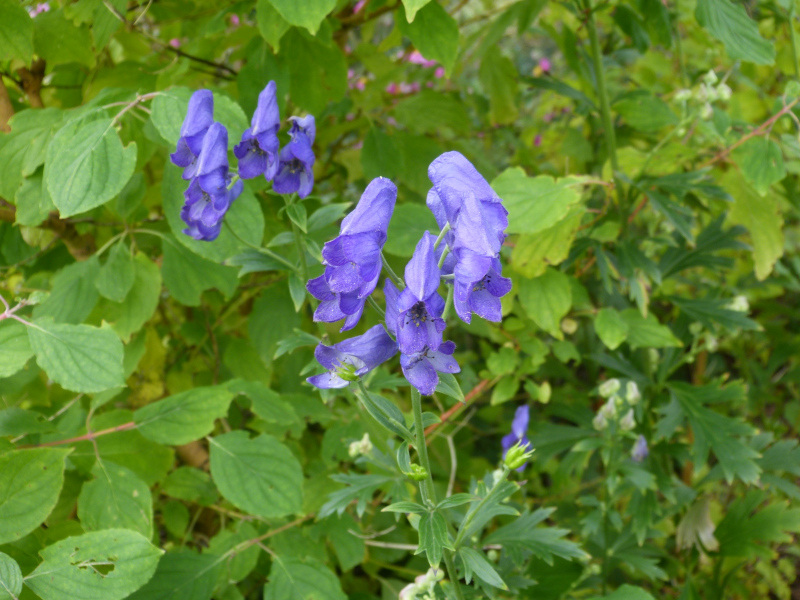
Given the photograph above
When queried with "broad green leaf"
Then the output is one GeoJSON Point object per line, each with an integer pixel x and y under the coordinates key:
{"type": "Point", "coordinates": [29, 488]}
{"type": "Point", "coordinates": [87, 165]}
{"type": "Point", "coordinates": [762, 218]}
{"type": "Point", "coordinates": [115, 499]}
{"type": "Point", "coordinates": [544, 542]}
{"type": "Point", "coordinates": [317, 73]}
{"type": "Point", "coordinates": [298, 579]}
{"type": "Point", "coordinates": [533, 252]}
{"type": "Point", "coordinates": [647, 333]}
{"type": "Point", "coordinates": [184, 575]}
{"type": "Point", "coordinates": [116, 276]}
{"type": "Point", "coordinates": [33, 201]}
{"type": "Point", "coordinates": [239, 564]}
{"type": "Point", "coordinates": [270, 23]}
{"type": "Point", "coordinates": [434, 33]}
{"type": "Point", "coordinates": [475, 562]}
{"type": "Point", "coordinates": [610, 327]}
{"type": "Point", "coordinates": [298, 215]}
{"type": "Point", "coordinates": [730, 24]}
{"type": "Point", "coordinates": [17, 421]}
{"type": "Point", "coordinates": [23, 150]}
{"type": "Point", "coordinates": [74, 295]}
{"type": "Point", "coordinates": [761, 162]}
{"type": "Point", "coordinates": [499, 78]}
{"type": "Point", "coordinates": [308, 14]}
{"type": "Point", "coordinates": [433, 537]}
{"type": "Point", "coordinates": [380, 156]}
{"type": "Point", "coordinates": [626, 592]}
{"type": "Point", "coordinates": [412, 7]}
{"type": "Point", "coordinates": [59, 42]}
{"type": "Point", "coordinates": [644, 112]}
{"type": "Point", "coordinates": [350, 549]}
{"type": "Point", "coordinates": [101, 565]}
{"type": "Point", "coordinates": [269, 406]}
{"type": "Point", "coordinates": [547, 299]}
{"type": "Point", "coordinates": [260, 476]}
{"type": "Point", "coordinates": [79, 358]}
{"type": "Point", "coordinates": [448, 385]}
{"type": "Point", "coordinates": [187, 275]}
{"type": "Point", "coordinates": [535, 203]}
{"type": "Point", "coordinates": [10, 577]}
{"type": "Point", "coordinates": [184, 417]}
{"type": "Point", "coordinates": [190, 484]}
{"type": "Point", "coordinates": [140, 303]}
{"type": "Point", "coordinates": [273, 318]}
{"type": "Point", "coordinates": [15, 349]}
{"type": "Point", "coordinates": [430, 112]}
{"type": "Point", "coordinates": [16, 35]}
{"type": "Point", "coordinates": [408, 223]}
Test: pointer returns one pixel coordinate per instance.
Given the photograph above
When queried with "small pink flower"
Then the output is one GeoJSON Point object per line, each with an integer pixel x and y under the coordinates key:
{"type": "Point", "coordinates": [391, 121]}
{"type": "Point", "coordinates": [359, 6]}
{"type": "Point", "coordinates": [406, 88]}
{"type": "Point", "coordinates": [360, 84]}
{"type": "Point", "coordinates": [429, 84]}
{"type": "Point", "coordinates": [391, 88]}
{"type": "Point", "coordinates": [235, 20]}
{"type": "Point", "coordinates": [416, 58]}
{"type": "Point", "coordinates": [39, 9]}
{"type": "Point", "coordinates": [415, 87]}
{"type": "Point", "coordinates": [349, 117]}
{"type": "Point", "coordinates": [439, 73]}
{"type": "Point", "coordinates": [358, 145]}
{"type": "Point", "coordinates": [175, 43]}
{"type": "Point", "coordinates": [545, 65]}
{"type": "Point", "coordinates": [537, 141]}
{"type": "Point", "coordinates": [350, 73]}
{"type": "Point", "coordinates": [548, 117]}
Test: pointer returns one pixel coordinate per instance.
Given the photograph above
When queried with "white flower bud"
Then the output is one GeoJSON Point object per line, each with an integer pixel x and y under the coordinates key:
{"type": "Point", "coordinates": [366, 444]}
{"type": "Point", "coordinates": [739, 304]}
{"type": "Point", "coordinates": [409, 592]}
{"type": "Point", "coordinates": [627, 422]}
{"type": "Point", "coordinates": [609, 409]}
{"type": "Point", "coordinates": [632, 393]}
{"type": "Point", "coordinates": [702, 93]}
{"type": "Point", "coordinates": [609, 388]}
{"type": "Point", "coordinates": [599, 422]}
{"type": "Point", "coordinates": [711, 343]}
{"type": "Point", "coordinates": [354, 449]}
{"type": "Point", "coordinates": [706, 112]}
{"type": "Point", "coordinates": [724, 92]}
{"type": "Point", "coordinates": [682, 95]}
{"type": "Point", "coordinates": [696, 328]}
{"type": "Point", "coordinates": [710, 78]}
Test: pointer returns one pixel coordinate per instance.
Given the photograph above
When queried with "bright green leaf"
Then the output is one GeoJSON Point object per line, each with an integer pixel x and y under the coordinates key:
{"type": "Point", "coordinates": [412, 6]}
{"type": "Point", "coordinates": [10, 578]}
{"type": "Point", "coordinates": [434, 33]}
{"type": "Point", "coordinates": [730, 24]}
{"type": "Point", "coordinates": [499, 78]}
{"type": "Point", "coordinates": [761, 162]}
{"type": "Point", "coordinates": [647, 333]}
{"type": "Point", "coordinates": [137, 308]}
{"type": "Point", "coordinates": [184, 575]}
{"type": "Point", "coordinates": [15, 349]}
{"type": "Point", "coordinates": [297, 579]}
{"type": "Point", "coordinates": [610, 327]}
{"type": "Point", "coordinates": [73, 295]}
{"type": "Point", "coordinates": [116, 276]}
{"type": "Point", "coordinates": [547, 299]}
{"type": "Point", "coordinates": [16, 35]}
{"type": "Point", "coordinates": [308, 14]}
{"type": "Point", "coordinates": [408, 223]}
{"type": "Point", "coordinates": [59, 42]}
{"type": "Point", "coordinates": [270, 23]}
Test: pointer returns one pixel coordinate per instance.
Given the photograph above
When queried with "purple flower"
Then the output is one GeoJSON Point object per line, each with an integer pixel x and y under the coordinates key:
{"type": "Point", "coordinates": [479, 287]}
{"type": "Point", "coordinates": [198, 120]}
{"type": "Point", "coordinates": [258, 150]}
{"type": "Point", "coordinates": [640, 450]}
{"type": "Point", "coordinates": [422, 368]}
{"type": "Point", "coordinates": [353, 358]}
{"type": "Point", "coordinates": [295, 171]}
{"type": "Point", "coordinates": [519, 431]}
{"type": "Point", "coordinates": [353, 258]}
{"type": "Point", "coordinates": [208, 197]}
{"type": "Point", "coordinates": [419, 305]}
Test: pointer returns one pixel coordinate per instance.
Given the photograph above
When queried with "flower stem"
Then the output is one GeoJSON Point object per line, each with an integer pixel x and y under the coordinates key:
{"type": "Point", "coordinates": [442, 233]}
{"type": "Point", "coordinates": [426, 486]}
{"type": "Point", "coordinates": [392, 275]}
{"type": "Point", "coordinates": [374, 305]}
{"type": "Point", "coordinates": [448, 304]}
{"type": "Point", "coordinates": [264, 251]}
{"type": "Point", "coordinates": [465, 526]}
{"type": "Point", "coordinates": [793, 38]}
{"type": "Point", "coordinates": [445, 252]}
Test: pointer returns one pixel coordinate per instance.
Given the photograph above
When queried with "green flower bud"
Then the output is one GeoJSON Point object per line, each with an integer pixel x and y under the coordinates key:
{"type": "Point", "coordinates": [418, 472]}
{"type": "Point", "coordinates": [632, 393]}
{"type": "Point", "coordinates": [599, 422]}
{"type": "Point", "coordinates": [627, 422]}
{"type": "Point", "coordinates": [347, 372]}
{"type": "Point", "coordinates": [518, 455]}
{"type": "Point", "coordinates": [609, 388]}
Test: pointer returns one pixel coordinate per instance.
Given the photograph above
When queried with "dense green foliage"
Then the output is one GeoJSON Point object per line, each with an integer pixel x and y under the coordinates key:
{"type": "Point", "coordinates": [157, 436]}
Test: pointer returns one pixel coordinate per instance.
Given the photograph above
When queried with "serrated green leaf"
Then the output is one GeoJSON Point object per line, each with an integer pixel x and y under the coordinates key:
{"type": "Point", "coordinates": [317, 73]}
{"type": "Point", "coordinates": [80, 358]}
{"type": "Point", "coordinates": [74, 295]}
{"type": "Point", "coordinates": [761, 162]}
{"type": "Point", "coordinates": [23, 150]}
{"type": "Point", "coordinates": [270, 23]}
{"type": "Point", "coordinates": [730, 24]}
{"type": "Point", "coordinates": [544, 542]}
{"type": "Point", "coordinates": [184, 575]}
{"type": "Point", "coordinates": [434, 33]}
{"type": "Point", "coordinates": [187, 275]}
{"type": "Point", "coordinates": [260, 475]}
{"type": "Point", "coordinates": [140, 303]}
{"type": "Point", "coordinates": [475, 562]}
{"type": "Point", "coordinates": [647, 333]}
{"type": "Point", "coordinates": [297, 579]}
{"type": "Point", "coordinates": [610, 327]}
{"type": "Point", "coordinates": [499, 78]}
{"type": "Point", "coordinates": [116, 276]}
{"type": "Point", "coordinates": [350, 549]}
{"type": "Point", "coordinates": [184, 417]}
{"type": "Point", "coordinates": [10, 578]}
{"type": "Point", "coordinates": [308, 14]}
{"type": "Point", "coordinates": [547, 299]}
{"type": "Point", "coordinates": [16, 36]}
{"type": "Point", "coordinates": [645, 112]}
{"type": "Point", "coordinates": [190, 484]}
{"type": "Point", "coordinates": [17, 421]}
{"type": "Point", "coordinates": [59, 42]}
{"type": "Point", "coordinates": [359, 487]}
{"type": "Point", "coordinates": [534, 252]}
{"type": "Point", "coordinates": [29, 488]}
{"type": "Point", "coordinates": [15, 349]}
{"type": "Point", "coordinates": [433, 537]}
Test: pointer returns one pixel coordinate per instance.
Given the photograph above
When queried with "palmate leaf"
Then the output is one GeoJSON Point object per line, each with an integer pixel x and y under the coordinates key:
{"type": "Point", "coordinates": [709, 312]}
{"type": "Point", "coordinates": [359, 487]}
{"type": "Point", "coordinates": [522, 536]}
{"type": "Point", "coordinates": [433, 537]}
{"type": "Point", "coordinates": [475, 562]}
{"type": "Point", "coordinates": [711, 240]}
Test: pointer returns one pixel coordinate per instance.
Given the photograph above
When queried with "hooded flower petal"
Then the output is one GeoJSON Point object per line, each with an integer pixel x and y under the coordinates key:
{"type": "Point", "coordinates": [422, 271]}
{"type": "Point", "coordinates": [203, 213]}
{"type": "Point", "coordinates": [374, 210]}
{"type": "Point", "coordinates": [199, 117]}
{"type": "Point", "coordinates": [258, 150]}
{"type": "Point", "coordinates": [420, 368]}
{"type": "Point", "coordinates": [212, 164]}
{"type": "Point", "coordinates": [452, 176]}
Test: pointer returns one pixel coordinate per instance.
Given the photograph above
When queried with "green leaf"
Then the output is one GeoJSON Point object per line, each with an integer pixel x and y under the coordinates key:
{"type": "Point", "coordinates": [412, 6]}
{"type": "Point", "coordinates": [115, 498]}
{"type": "Point", "coordinates": [79, 358]}
{"type": "Point", "coordinates": [644, 112]}
{"type": "Point", "coordinates": [405, 507]}
{"type": "Point", "coordinates": [239, 564]}
{"type": "Point", "coordinates": [730, 24]}
{"type": "Point", "coordinates": [626, 592]}
{"type": "Point", "coordinates": [308, 14]}
{"type": "Point", "coordinates": [359, 488]}
{"type": "Point", "coordinates": [709, 312]}
{"type": "Point", "coordinates": [544, 542]}
{"type": "Point", "coordinates": [15, 349]}
{"type": "Point", "coordinates": [23, 150]}
{"type": "Point", "coordinates": [59, 42]}
{"type": "Point", "coordinates": [387, 414]}
{"type": "Point", "coordinates": [116, 276]}
{"type": "Point", "coordinates": [187, 275]}
{"type": "Point", "coordinates": [74, 295]}
{"type": "Point", "coordinates": [434, 33]}
{"type": "Point", "coordinates": [430, 112]}
{"type": "Point", "coordinates": [317, 73]}
{"type": "Point", "coordinates": [298, 215]}
{"type": "Point", "coordinates": [137, 308]}
{"type": "Point", "coordinates": [29, 489]}
{"type": "Point", "coordinates": [184, 575]}
{"type": "Point", "coordinates": [190, 484]}
{"type": "Point", "coordinates": [546, 300]}
{"type": "Point", "coordinates": [16, 35]}
{"type": "Point", "coordinates": [448, 385]}
{"type": "Point", "coordinates": [475, 562]}
{"type": "Point", "coordinates": [33, 201]}
{"type": "Point", "coordinates": [302, 579]}
{"type": "Point", "coordinates": [184, 417]}
{"type": "Point", "coordinates": [499, 78]}
{"type": "Point", "coordinates": [535, 203]}
{"type": "Point", "coordinates": [87, 165]}
{"type": "Point", "coordinates": [253, 261]}
{"type": "Point", "coordinates": [273, 319]}
{"type": "Point", "coordinates": [380, 156]}
{"type": "Point", "coordinates": [270, 23]}
{"type": "Point", "coordinates": [648, 333]}
{"type": "Point", "coordinates": [761, 162]}
{"type": "Point", "coordinates": [350, 549]}
{"type": "Point", "coordinates": [456, 500]}
{"type": "Point", "coordinates": [534, 252]}
{"type": "Point", "coordinates": [433, 537]}
{"type": "Point", "coordinates": [10, 573]}
{"type": "Point", "coordinates": [260, 476]}
{"type": "Point", "coordinates": [611, 328]}
{"type": "Point", "coordinates": [297, 290]}
{"type": "Point", "coordinates": [17, 421]}
{"type": "Point", "coordinates": [101, 565]}
{"type": "Point", "coordinates": [409, 222]}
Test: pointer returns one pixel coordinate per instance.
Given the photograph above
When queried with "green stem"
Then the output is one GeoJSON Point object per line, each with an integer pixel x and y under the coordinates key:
{"type": "Point", "coordinates": [445, 252]}
{"type": "Point", "coordinates": [392, 275]}
{"type": "Point", "coordinates": [793, 37]}
{"type": "Point", "coordinates": [442, 233]}
{"type": "Point", "coordinates": [605, 108]}
{"type": "Point", "coordinates": [462, 531]}
{"type": "Point", "coordinates": [374, 305]}
{"type": "Point", "coordinates": [426, 486]}
{"type": "Point", "coordinates": [448, 304]}
{"type": "Point", "coordinates": [264, 251]}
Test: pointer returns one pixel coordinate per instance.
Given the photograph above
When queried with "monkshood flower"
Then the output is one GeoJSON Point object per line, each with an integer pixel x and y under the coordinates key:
{"type": "Point", "coordinates": [519, 431]}
{"type": "Point", "coordinates": [351, 359]}
{"type": "Point", "coordinates": [419, 305]}
{"type": "Point", "coordinates": [353, 258]}
{"type": "Point", "coordinates": [209, 197]}
{"type": "Point", "coordinates": [640, 450]}
{"type": "Point", "coordinates": [295, 171]}
{"type": "Point", "coordinates": [258, 150]}
{"type": "Point", "coordinates": [198, 120]}
{"type": "Point", "coordinates": [421, 368]}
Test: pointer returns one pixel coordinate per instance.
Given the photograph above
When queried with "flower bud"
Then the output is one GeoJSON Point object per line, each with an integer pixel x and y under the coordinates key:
{"type": "Point", "coordinates": [632, 394]}
{"type": "Point", "coordinates": [418, 472]}
{"type": "Point", "coordinates": [739, 304]}
{"type": "Point", "coordinates": [517, 456]}
{"type": "Point", "coordinates": [696, 328]}
{"type": "Point", "coordinates": [711, 343]}
{"type": "Point", "coordinates": [599, 422]}
{"type": "Point", "coordinates": [724, 92]}
{"type": "Point", "coordinates": [640, 450]}
{"type": "Point", "coordinates": [409, 592]}
{"type": "Point", "coordinates": [569, 326]}
{"type": "Point", "coordinates": [493, 556]}
{"type": "Point", "coordinates": [706, 112]}
{"type": "Point", "coordinates": [609, 388]}
{"type": "Point", "coordinates": [682, 95]}
{"type": "Point", "coordinates": [354, 449]}
{"type": "Point", "coordinates": [609, 409]}
{"type": "Point", "coordinates": [710, 78]}
{"type": "Point", "coordinates": [627, 422]}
